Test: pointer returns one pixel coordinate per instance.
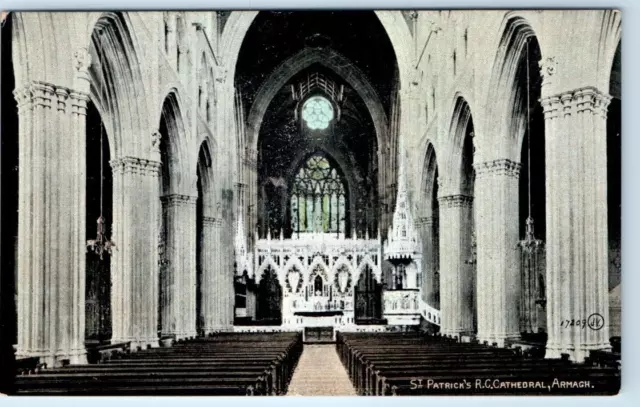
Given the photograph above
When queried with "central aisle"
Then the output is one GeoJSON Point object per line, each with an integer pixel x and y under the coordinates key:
{"type": "Point", "coordinates": [320, 373]}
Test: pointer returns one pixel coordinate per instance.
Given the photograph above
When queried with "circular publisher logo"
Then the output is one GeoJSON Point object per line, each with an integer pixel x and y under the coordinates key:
{"type": "Point", "coordinates": [595, 321]}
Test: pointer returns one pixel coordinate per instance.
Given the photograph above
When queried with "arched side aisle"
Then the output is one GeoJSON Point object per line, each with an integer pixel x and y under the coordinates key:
{"type": "Point", "coordinates": [455, 202]}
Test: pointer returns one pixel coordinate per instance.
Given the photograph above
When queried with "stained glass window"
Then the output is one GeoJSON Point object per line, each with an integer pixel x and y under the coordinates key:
{"type": "Point", "coordinates": [318, 198]}
{"type": "Point", "coordinates": [317, 112]}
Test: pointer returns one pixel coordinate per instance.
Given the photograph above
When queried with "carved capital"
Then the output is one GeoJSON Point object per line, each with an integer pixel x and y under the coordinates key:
{"type": "Point", "coordinates": [81, 60]}
{"type": "Point", "coordinates": [156, 139]}
{"type": "Point", "coordinates": [133, 165]}
{"type": "Point", "coordinates": [501, 167]}
{"type": "Point", "coordinates": [61, 99]}
{"type": "Point", "coordinates": [587, 99]}
{"type": "Point", "coordinates": [209, 221]}
{"type": "Point", "coordinates": [45, 94]}
{"type": "Point", "coordinates": [179, 200]}
{"type": "Point", "coordinates": [42, 94]}
{"type": "Point", "coordinates": [455, 201]}
{"type": "Point", "coordinates": [78, 102]}
{"type": "Point", "coordinates": [23, 97]}
{"type": "Point", "coordinates": [548, 67]}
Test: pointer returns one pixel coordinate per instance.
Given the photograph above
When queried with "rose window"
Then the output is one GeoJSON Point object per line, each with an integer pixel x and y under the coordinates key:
{"type": "Point", "coordinates": [317, 112]}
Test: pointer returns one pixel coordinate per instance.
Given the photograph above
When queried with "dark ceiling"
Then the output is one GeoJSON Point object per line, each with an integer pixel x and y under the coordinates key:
{"type": "Point", "coordinates": [280, 136]}
{"type": "Point", "coordinates": [276, 36]}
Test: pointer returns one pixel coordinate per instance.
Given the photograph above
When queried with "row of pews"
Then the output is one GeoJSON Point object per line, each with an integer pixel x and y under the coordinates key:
{"type": "Point", "coordinates": [419, 364]}
{"type": "Point", "coordinates": [223, 364]}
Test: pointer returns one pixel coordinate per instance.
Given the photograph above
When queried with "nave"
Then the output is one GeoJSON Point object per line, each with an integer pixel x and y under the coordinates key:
{"type": "Point", "coordinates": [225, 180]}
{"type": "Point", "coordinates": [381, 364]}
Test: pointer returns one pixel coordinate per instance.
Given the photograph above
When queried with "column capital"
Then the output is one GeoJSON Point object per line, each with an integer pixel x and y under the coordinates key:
{"type": "Point", "coordinates": [81, 60]}
{"type": "Point", "coordinates": [455, 201]}
{"type": "Point", "coordinates": [156, 140]}
{"type": "Point", "coordinates": [500, 167]}
{"type": "Point", "coordinates": [548, 67]}
{"type": "Point", "coordinates": [212, 221]}
{"type": "Point", "coordinates": [179, 199]}
{"type": "Point", "coordinates": [39, 93]}
{"type": "Point", "coordinates": [589, 99]}
{"type": "Point", "coordinates": [135, 165]}
{"type": "Point", "coordinates": [208, 220]}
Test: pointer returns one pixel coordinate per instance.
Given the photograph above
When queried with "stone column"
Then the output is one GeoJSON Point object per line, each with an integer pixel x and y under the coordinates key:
{"type": "Point", "coordinates": [179, 283]}
{"type": "Point", "coordinates": [577, 254]}
{"type": "Point", "coordinates": [134, 267]}
{"type": "Point", "coordinates": [218, 294]}
{"type": "Point", "coordinates": [252, 196]}
{"type": "Point", "coordinates": [456, 275]}
{"type": "Point", "coordinates": [51, 223]}
{"type": "Point", "coordinates": [426, 225]}
{"type": "Point", "coordinates": [498, 267]}
{"type": "Point", "coordinates": [209, 253]}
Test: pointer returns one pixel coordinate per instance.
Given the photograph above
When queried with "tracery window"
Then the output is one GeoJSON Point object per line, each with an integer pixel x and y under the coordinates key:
{"type": "Point", "coordinates": [318, 201]}
{"type": "Point", "coordinates": [317, 112]}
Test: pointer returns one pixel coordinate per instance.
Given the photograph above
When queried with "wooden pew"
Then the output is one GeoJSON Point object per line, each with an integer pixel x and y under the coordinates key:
{"type": "Point", "coordinates": [226, 364]}
{"type": "Point", "coordinates": [384, 364]}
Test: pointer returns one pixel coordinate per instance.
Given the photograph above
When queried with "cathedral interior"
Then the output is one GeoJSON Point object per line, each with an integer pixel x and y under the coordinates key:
{"type": "Point", "coordinates": [291, 179]}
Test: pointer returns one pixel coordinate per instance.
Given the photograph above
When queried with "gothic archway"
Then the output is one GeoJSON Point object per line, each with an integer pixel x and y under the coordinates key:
{"type": "Point", "coordinates": [428, 221]}
{"type": "Point", "coordinates": [99, 203]}
{"type": "Point", "coordinates": [177, 241]}
{"type": "Point", "coordinates": [529, 121]}
{"type": "Point", "coordinates": [457, 241]}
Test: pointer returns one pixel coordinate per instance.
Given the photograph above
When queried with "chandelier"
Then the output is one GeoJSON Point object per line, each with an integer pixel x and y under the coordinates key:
{"type": "Point", "coordinates": [530, 244]}
{"type": "Point", "coordinates": [101, 244]}
{"type": "Point", "coordinates": [532, 261]}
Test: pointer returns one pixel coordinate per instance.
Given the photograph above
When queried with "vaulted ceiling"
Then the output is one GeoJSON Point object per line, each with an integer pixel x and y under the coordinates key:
{"type": "Point", "coordinates": [276, 36]}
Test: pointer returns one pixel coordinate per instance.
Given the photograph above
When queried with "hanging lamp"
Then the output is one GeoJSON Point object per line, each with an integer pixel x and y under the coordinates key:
{"type": "Point", "coordinates": [530, 243]}
{"type": "Point", "coordinates": [532, 249]}
{"type": "Point", "coordinates": [101, 244]}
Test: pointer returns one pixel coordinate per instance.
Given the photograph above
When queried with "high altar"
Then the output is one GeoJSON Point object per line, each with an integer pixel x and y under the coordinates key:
{"type": "Point", "coordinates": [330, 282]}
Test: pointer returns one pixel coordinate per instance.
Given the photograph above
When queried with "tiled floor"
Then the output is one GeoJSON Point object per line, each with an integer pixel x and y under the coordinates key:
{"type": "Point", "coordinates": [320, 373]}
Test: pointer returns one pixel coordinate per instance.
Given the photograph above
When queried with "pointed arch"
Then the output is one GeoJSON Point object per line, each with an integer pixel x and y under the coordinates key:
{"type": "Point", "coordinates": [393, 23]}
{"type": "Point", "coordinates": [206, 175]}
{"type": "Point", "coordinates": [175, 176]}
{"type": "Point", "coordinates": [318, 191]}
{"type": "Point", "coordinates": [429, 180]}
{"type": "Point", "coordinates": [298, 62]}
{"type": "Point", "coordinates": [609, 45]}
{"type": "Point", "coordinates": [458, 134]}
{"type": "Point", "coordinates": [367, 261]}
{"type": "Point", "coordinates": [268, 262]}
{"type": "Point", "coordinates": [343, 261]}
{"type": "Point", "coordinates": [503, 100]}
{"type": "Point", "coordinates": [293, 262]}
{"type": "Point", "coordinates": [117, 84]}
{"type": "Point", "coordinates": [317, 261]}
